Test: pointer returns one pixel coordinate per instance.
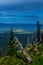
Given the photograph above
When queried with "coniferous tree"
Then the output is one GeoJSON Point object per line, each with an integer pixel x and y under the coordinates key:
{"type": "Point", "coordinates": [38, 31]}
{"type": "Point", "coordinates": [11, 46]}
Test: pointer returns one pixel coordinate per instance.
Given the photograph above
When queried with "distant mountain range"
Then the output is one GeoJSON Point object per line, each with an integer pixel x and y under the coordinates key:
{"type": "Point", "coordinates": [22, 28]}
{"type": "Point", "coordinates": [21, 31]}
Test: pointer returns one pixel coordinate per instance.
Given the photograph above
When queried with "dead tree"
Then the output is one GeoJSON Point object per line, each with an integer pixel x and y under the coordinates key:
{"type": "Point", "coordinates": [38, 31]}
{"type": "Point", "coordinates": [32, 39]}
{"type": "Point", "coordinates": [23, 50]}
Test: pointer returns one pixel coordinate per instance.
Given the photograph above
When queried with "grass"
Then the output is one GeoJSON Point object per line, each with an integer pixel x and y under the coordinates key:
{"type": "Point", "coordinates": [19, 58]}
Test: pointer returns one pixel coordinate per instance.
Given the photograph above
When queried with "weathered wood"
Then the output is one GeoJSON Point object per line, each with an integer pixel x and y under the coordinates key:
{"type": "Point", "coordinates": [23, 50]}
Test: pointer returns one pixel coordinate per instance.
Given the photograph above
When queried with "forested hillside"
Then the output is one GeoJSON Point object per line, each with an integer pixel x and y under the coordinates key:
{"type": "Point", "coordinates": [16, 54]}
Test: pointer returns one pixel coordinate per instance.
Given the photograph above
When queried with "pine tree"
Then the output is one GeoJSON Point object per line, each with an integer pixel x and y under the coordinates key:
{"type": "Point", "coordinates": [38, 31]}
{"type": "Point", "coordinates": [11, 46]}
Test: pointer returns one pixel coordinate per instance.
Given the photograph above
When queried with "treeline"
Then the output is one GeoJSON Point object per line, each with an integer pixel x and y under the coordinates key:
{"type": "Point", "coordinates": [12, 48]}
{"type": "Point", "coordinates": [39, 34]}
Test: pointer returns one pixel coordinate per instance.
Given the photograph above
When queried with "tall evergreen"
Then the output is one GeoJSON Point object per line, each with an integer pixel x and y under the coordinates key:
{"type": "Point", "coordinates": [11, 46]}
{"type": "Point", "coordinates": [38, 31]}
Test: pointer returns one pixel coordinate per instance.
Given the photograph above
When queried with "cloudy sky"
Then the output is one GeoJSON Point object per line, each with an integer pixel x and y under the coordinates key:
{"type": "Point", "coordinates": [21, 11]}
{"type": "Point", "coordinates": [6, 2]}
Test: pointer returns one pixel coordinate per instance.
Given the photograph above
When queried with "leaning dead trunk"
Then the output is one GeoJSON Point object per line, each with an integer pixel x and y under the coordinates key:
{"type": "Point", "coordinates": [23, 50]}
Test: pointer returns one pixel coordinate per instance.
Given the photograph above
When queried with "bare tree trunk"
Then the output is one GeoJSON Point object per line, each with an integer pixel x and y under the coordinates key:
{"type": "Point", "coordinates": [23, 50]}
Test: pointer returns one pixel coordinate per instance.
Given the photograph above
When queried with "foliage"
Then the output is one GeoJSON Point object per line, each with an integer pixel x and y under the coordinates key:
{"type": "Point", "coordinates": [11, 61]}
{"type": "Point", "coordinates": [19, 58]}
{"type": "Point", "coordinates": [16, 57]}
{"type": "Point", "coordinates": [40, 47]}
{"type": "Point", "coordinates": [11, 46]}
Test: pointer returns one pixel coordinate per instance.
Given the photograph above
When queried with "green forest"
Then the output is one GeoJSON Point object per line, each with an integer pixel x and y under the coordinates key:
{"type": "Point", "coordinates": [17, 55]}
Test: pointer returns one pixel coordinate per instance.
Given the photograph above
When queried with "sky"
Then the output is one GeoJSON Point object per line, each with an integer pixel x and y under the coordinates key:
{"type": "Point", "coordinates": [5, 2]}
{"type": "Point", "coordinates": [21, 11]}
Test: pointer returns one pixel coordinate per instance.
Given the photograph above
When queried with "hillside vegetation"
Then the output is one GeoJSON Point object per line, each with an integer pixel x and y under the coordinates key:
{"type": "Point", "coordinates": [36, 54]}
{"type": "Point", "coordinates": [14, 54]}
